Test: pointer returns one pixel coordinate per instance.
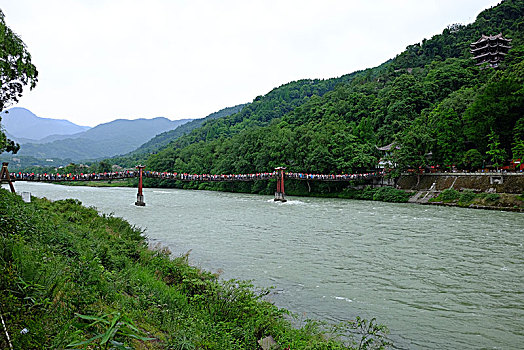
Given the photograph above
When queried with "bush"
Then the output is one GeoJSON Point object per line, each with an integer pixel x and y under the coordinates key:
{"type": "Point", "coordinates": [367, 193]}
{"type": "Point", "coordinates": [449, 195]}
{"type": "Point", "coordinates": [352, 193]}
{"type": "Point", "coordinates": [390, 194]}
{"type": "Point", "coordinates": [466, 197]}
{"type": "Point", "coordinates": [492, 197]}
{"type": "Point", "coordinates": [384, 194]}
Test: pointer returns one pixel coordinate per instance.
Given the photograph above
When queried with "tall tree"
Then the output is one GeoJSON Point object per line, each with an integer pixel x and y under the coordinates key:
{"type": "Point", "coordinates": [518, 136]}
{"type": "Point", "coordinates": [498, 107]}
{"type": "Point", "coordinates": [16, 71]}
{"type": "Point", "coordinates": [518, 150]}
{"type": "Point", "coordinates": [414, 148]}
{"type": "Point", "coordinates": [496, 153]}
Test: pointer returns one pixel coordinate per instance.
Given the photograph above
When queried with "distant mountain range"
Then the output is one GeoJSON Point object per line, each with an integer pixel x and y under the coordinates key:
{"type": "Point", "coordinates": [55, 138]}
{"type": "Point", "coordinates": [24, 126]}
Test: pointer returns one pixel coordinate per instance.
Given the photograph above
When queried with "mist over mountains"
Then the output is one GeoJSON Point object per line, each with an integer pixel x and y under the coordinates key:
{"type": "Point", "coordinates": [57, 138]}
{"type": "Point", "coordinates": [24, 126]}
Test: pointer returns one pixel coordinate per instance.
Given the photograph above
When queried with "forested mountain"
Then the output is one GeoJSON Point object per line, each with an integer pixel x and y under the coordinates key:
{"type": "Point", "coordinates": [105, 140]}
{"type": "Point", "coordinates": [258, 114]}
{"type": "Point", "coordinates": [432, 100]}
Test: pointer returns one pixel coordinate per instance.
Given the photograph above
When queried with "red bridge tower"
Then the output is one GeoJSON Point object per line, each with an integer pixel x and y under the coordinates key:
{"type": "Point", "coordinates": [140, 197]}
{"type": "Point", "coordinates": [279, 194]}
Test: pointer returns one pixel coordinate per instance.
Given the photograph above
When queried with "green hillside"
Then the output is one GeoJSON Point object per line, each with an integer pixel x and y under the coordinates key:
{"type": "Point", "coordinates": [263, 111]}
{"type": "Point", "coordinates": [260, 112]}
{"type": "Point", "coordinates": [432, 99]}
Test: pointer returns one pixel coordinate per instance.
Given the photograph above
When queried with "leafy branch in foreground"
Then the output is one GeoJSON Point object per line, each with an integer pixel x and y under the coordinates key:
{"type": "Point", "coordinates": [113, 329]}
{"type": "Point", "coordinates": [366, 334]}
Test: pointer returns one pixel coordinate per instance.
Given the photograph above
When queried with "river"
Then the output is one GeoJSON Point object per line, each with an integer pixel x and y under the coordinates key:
{"type": "Point", "coordinates": [438, 277]}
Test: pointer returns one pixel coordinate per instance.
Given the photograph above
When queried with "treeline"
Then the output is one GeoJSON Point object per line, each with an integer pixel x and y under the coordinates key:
{"type": "Point", "coordinates": [432, 101]}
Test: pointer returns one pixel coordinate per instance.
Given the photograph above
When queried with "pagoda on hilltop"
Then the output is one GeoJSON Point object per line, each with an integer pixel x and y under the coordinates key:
{"type": "Point", "coordinates": [490, 49]}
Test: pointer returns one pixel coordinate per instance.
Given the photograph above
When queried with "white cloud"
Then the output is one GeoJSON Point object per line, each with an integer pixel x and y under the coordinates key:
{"type": "Point", "coordinates": [105, 59]}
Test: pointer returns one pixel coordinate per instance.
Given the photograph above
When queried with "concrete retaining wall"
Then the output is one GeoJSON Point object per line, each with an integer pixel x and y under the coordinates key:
{"type": "Point", "coordinates": [478, 182]}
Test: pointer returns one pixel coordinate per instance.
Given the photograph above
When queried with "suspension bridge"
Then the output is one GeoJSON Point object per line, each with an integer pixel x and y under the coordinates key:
{"type": "Point", "coordinates": [279, 174]}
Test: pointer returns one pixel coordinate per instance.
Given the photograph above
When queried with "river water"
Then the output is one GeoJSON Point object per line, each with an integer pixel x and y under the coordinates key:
{"type": "Point", "coordinates": [438, 277]}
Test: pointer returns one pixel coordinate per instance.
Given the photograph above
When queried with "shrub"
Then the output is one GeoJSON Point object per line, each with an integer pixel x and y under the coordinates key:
{"type": "Point", "coordinates": [449, 195]}
{"type": "Point", "coordinates": [390, 194]}
{"type": "Point", "coordinates": [466, 197]}
{"type": "Point", "coordinates": [492, 197]}
{"type": "Point", "coordinates": [352, 193]}
{"type": "Point", "coordinates": [367, 193]}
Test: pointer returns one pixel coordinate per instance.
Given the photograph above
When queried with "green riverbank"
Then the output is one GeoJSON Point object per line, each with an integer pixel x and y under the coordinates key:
{"type": "Point", "coordinates": [72, 278]}
{"type": "Point", "coordinates": [482, 200]}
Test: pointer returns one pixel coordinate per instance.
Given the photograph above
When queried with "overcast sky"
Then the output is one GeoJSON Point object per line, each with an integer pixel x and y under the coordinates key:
{"type": "Point", "coordinates": [99, 60]}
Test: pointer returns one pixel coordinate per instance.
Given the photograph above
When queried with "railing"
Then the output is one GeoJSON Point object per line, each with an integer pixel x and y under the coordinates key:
{"type": "Point", "coordinates": [189, 177]}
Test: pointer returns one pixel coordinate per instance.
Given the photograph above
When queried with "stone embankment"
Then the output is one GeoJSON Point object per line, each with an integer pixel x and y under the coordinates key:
{"type": "Point", "coordinates": [428, 186]}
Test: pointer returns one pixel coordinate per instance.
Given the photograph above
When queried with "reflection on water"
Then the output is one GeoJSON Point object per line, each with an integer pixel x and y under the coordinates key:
{"type": "Point", "coordinates": [438, 277]}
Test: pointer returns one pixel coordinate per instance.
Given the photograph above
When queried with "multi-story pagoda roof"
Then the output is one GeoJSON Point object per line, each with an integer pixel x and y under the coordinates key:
{"type": "Point", "coordinates": [490, 49]}
{"type": "Point", "coordinates": [490, 38]}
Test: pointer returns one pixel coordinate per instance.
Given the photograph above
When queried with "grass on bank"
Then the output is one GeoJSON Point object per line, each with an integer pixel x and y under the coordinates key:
{"type": "Point", "coordinates": [468, 198]}
{"type": "Point", "coordinates": [72, 278]}
{"type": "Point", "coordinates": [108, 183]}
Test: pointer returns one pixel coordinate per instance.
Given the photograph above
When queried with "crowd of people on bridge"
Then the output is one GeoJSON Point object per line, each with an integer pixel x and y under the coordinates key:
{"type": "Point", "coordinates": [209, 177]}
{"type": "Point", "coordinates": [260, 176]}
{"type": "Point", "coordinates": [188, 177]}
{"type": "Point", "coordinates": [333, 177]}
{"type": "Point", "coordinates": [73, 177]}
